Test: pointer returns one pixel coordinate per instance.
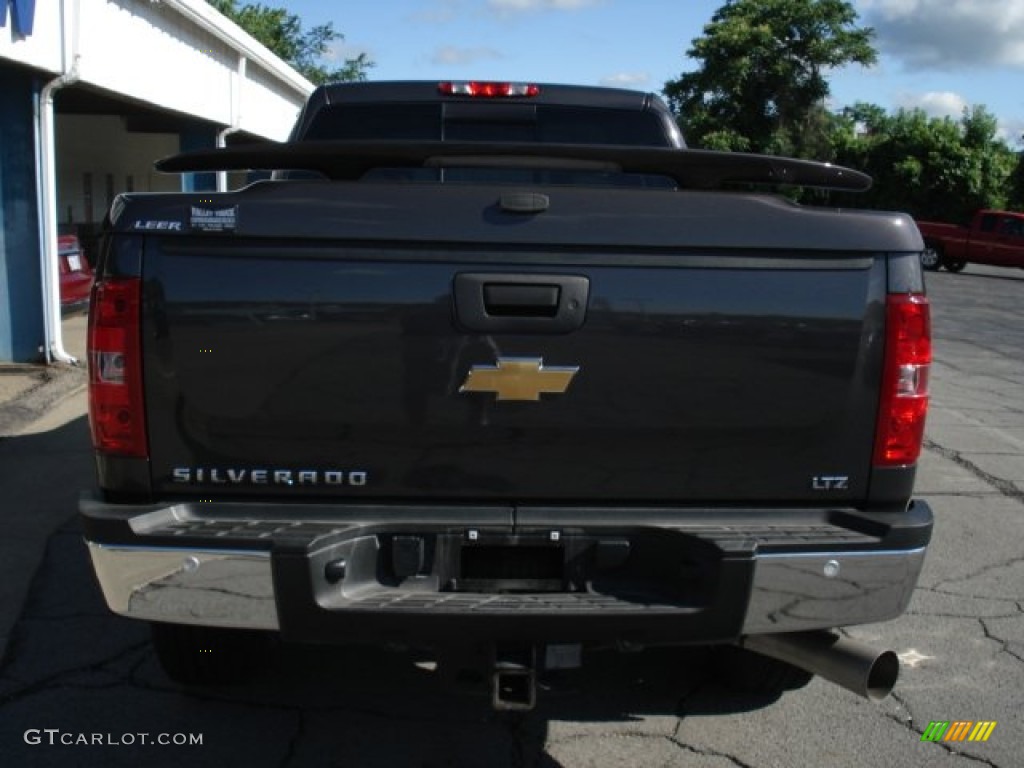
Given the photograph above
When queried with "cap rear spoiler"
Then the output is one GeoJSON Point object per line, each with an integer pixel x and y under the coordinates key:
{"type": "Point", "coordinates": [689, 168]}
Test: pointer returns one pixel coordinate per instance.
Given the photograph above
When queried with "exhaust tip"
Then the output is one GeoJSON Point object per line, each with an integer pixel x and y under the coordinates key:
{"type": "Point", "coordinates": [847, 663]}
{"type": "Point", "coordinates": [882, 676]}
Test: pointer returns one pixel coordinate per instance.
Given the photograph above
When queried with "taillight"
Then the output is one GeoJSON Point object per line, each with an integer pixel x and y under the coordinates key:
{"type": "Point", "coordinates": [904, 401]}
{"type": "Point", "coordinates": [116, 414]}
{"type": "Point", "coordinates": [488, 90]}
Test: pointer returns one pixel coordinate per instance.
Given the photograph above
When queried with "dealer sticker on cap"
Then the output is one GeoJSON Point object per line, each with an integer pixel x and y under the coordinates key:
{"type": "Point", "coordinates": [210, 219]}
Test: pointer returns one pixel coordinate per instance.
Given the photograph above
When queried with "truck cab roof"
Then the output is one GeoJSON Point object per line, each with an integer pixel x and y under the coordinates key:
{"type": "Point", "coordinates": [486, 111]}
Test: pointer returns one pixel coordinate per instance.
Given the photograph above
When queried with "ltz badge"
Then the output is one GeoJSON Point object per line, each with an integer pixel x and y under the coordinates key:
{"type": "Point", "coordinates": [519, 378]}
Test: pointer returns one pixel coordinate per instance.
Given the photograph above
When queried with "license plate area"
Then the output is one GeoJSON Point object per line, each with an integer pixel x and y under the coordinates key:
{"type": "Point", "coordinates": [511, 566]}
{"type": "Point", "coordinates": [640, 566]}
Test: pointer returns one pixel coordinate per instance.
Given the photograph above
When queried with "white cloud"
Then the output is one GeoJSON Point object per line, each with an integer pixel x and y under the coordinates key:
{"type": "Point", "coordinates": [1012, 132]}
{"type": "Point", "coordinates": [509, 7]}
{"type": "Point", "coordinates": [342, 51]}
{"type": "Point", "coordinates": [935, 103]}
{"type": "Point", "coordinates": [948, 34]}
{"type": "Point", "coordinates": [626, 79]}
{"type": "Point", "coordinates": [950, 104]}
{"type": "Point", "coordinates": [451, 55]}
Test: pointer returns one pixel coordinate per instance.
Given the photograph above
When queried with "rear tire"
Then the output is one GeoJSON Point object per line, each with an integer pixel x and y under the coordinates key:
{"type": "Point", "coordinates": [954, 265]}
{"type": "Point", "coordinates": [748, 672]}
{"type": "Point", "coordinates": [193, 655]}
{"type": "Point", "coordinates": [931, 257]}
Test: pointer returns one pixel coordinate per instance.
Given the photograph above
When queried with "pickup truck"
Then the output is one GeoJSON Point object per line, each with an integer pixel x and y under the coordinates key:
{"type": "Point", "coordinates": [993, 237]}
{"type": "Point", "coordinates": [505, 372]}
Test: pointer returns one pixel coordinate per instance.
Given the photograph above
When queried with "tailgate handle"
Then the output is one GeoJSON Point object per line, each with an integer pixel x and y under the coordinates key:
{"type": "Point", "coordinates": [489, 302]}
{"type": "Point", "coordinates": [517, 300]}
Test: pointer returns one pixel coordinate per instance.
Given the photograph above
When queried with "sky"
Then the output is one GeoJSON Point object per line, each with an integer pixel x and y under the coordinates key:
{"type": "Point", "coordinates": [939, 55]}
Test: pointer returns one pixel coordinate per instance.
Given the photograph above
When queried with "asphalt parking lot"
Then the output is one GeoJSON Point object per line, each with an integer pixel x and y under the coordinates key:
{"type": "Point", "coordinates": [72, 670]}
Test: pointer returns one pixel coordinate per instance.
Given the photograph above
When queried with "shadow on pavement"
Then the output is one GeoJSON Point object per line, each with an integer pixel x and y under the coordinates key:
{"type": "Point", "coordinates": [74, 667]}
{"type": "Point", "coordinates": [998, 273]}
{"type": "Point", "coordinates": [40, 478]}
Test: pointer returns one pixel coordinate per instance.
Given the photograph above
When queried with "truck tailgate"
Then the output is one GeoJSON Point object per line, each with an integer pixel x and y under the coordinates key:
{"type": "Point", "coordinates": [699, 368]}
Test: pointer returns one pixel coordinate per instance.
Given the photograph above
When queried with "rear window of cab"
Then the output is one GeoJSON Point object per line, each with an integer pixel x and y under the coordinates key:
{"type": "Point", "coordinates": [454, 121]}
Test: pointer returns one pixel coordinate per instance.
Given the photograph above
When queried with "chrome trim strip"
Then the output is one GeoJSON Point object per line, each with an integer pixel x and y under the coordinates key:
{"type": "Point", "coordinates": [872, 553]}
{"type": "Point", "coordinates": [223, 588]}
{"type": "Point", "coordinates": [797, 592]}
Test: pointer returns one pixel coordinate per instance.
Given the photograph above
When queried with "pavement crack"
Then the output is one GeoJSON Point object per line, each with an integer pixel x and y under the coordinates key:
{"type": "Point", "coordinates": [676, 737]}
{"type": "Point", "coordinates": [526, 738]}
{"type": "Point", "coordinates": [966, 755]}
{"type": "Point", "coordinates": [706, 752]}
{"type": "Point", "coordinates": [54, 681]}
{"type": "Point", "coordinates": [992, 598]}
{"type": "Point", "coordinates": [1005, 487]}
{"type": "Point", "coordinates": [1004, 645]}
{"type": "Point", "coordinates": [908, 719]}
{"type": "Point", "coordinates": [296, 739]}
{"type": "Point", "coordinates": [684, 700]}
{"type": "Point", "coordinates": [956, 615]}
{"type": "Point", "coordinates": [973, 575]}
{"type": "Point", "coordinates": [213, 696]}
{"type": "Point", "coordinates": [908, 723]}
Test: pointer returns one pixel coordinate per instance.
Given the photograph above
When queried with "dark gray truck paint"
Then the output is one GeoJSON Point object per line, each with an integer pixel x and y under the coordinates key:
{"type": "Point", "coordinates": [306, 348]}
{"type": "Point", "coordinates": [715, 371]}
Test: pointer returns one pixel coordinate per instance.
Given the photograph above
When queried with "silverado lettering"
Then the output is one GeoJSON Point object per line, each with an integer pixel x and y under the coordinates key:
{"type": "Point", "coordinates": [595, 376]}
{"type": "Point", "coordinates": [268, 476]}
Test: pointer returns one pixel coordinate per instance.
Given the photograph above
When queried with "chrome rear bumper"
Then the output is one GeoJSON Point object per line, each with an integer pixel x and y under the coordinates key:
{"type": "Point", "coordinates": [183, 586]}
{"type": "Point", "coordinates": [789, 593]}
{"type": "Point", "coordinates": [797, 592]}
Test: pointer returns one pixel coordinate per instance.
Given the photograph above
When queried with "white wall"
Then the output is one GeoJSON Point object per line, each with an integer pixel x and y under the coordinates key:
{"type": "Point", "coordinates": [99, 145]}
{"type": "Point", "coordinates": [42, 49]}
{"type": "Point", "coordinates": [152, 52]}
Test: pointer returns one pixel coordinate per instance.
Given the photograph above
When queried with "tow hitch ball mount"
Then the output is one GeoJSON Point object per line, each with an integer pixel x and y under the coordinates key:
{"type": "Point", "coordinates": [513, 671]}
{"type": "Point", "coordinates": [514, 678]}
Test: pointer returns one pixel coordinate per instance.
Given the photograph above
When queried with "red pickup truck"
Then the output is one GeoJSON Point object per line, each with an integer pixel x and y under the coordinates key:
{"type": "Point", "coordinates": [994, 237]}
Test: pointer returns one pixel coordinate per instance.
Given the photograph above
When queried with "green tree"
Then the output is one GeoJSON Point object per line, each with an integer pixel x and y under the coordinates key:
{"type": "Point", "coordinates": [1017, 184]}
{"type": "Point", "coordinates": [933, 168]}
{"type": "Point", "coordinates": [306, 50]}
{"type": "Point", "coordinates": [761, 83]}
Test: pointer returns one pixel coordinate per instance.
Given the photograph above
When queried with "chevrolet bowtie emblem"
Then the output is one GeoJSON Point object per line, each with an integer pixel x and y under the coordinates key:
{"type": "Point", "coordinates": [519, 378]}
